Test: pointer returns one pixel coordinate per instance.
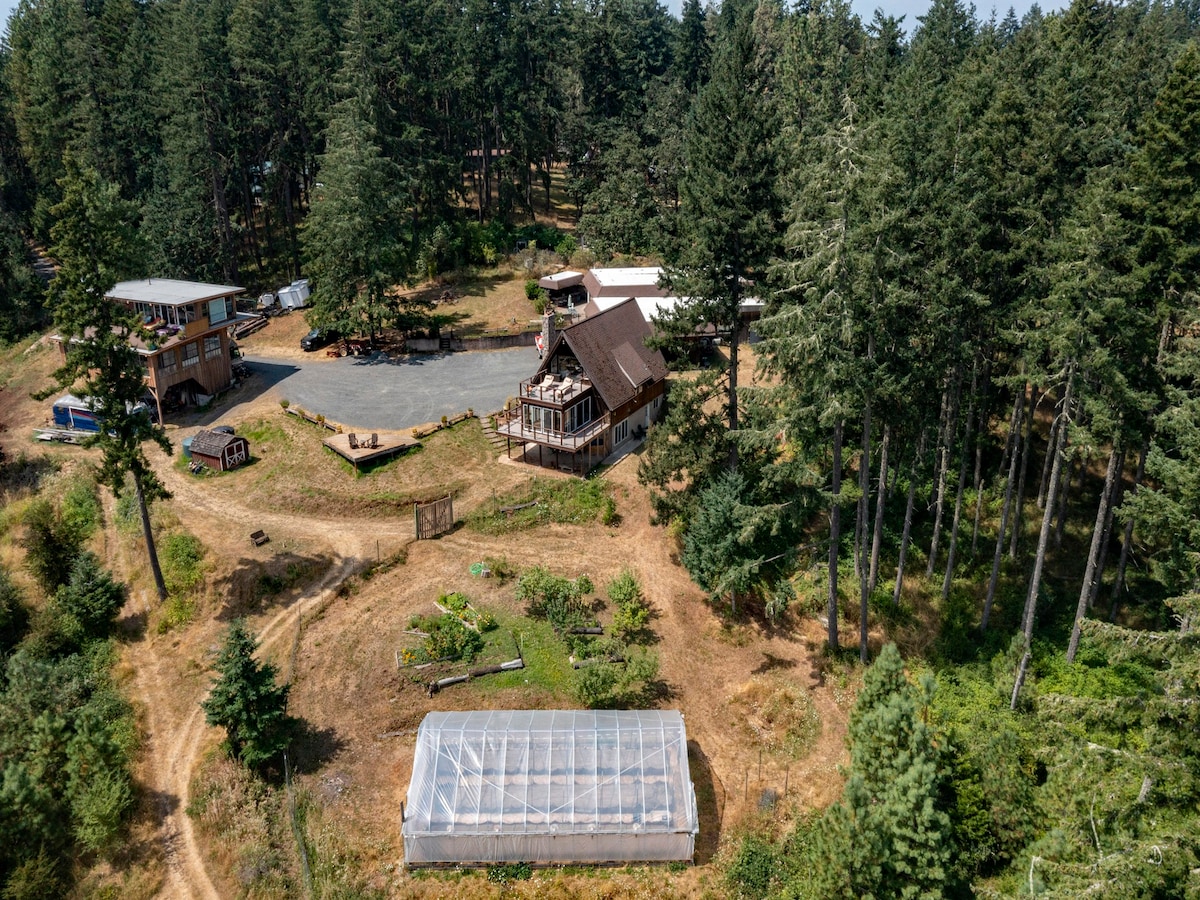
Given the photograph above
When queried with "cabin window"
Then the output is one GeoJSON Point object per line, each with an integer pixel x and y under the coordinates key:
{"type": "Point", "coordinates": [212, 346]}
{"type": "Point", "coordinates": [579, 415]}
{"type": "Point", "coordinates": [166, 363]}
{"type": "Point", "coordinates": [621, 432]}
{"type": "Point", "coordinates": [191, 354]}
{"type": "Point", "coordinates": [543, 418]}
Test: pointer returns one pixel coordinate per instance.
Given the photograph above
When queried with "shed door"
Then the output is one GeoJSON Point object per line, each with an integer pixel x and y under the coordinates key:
{"type": "Point", "coordinates": [236, 455]}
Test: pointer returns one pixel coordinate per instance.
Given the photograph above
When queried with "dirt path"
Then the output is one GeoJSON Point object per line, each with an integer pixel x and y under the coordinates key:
{"type": "Point", "coordinates": [170, 678]}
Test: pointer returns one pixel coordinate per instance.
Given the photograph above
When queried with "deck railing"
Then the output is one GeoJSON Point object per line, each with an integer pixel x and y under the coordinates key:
{"type": "Point", "coordinates": [556, 389]}
{"type": "Point", "coordinates": [511, 424]}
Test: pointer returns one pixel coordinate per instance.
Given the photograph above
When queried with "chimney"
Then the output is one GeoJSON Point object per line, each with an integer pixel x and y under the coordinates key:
{"type": "Point", "coordinates": [548, 330]}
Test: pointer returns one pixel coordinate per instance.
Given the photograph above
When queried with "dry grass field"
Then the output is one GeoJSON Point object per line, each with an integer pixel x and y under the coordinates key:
{"type": "Point", "coordinates": [329, 597]}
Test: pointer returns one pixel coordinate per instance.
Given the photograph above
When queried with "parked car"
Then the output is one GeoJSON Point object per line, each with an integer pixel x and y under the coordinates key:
{"type": "Point", "coordinates": [316, 339]}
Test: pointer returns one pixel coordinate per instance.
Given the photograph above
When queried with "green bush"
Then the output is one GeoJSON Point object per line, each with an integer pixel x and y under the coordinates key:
{"type": "Point", "coordinates": [449, 638]}
{"type": "Point", "coordinates": [500, 567]}
{"type": "Point", "coordinates": [51, 544]}
{"type": "Point", "coordinates": [554, 598]}
{"type": "Point", "coordinates": [754, 867]}
{"type": "Point", "coordinates": [181, 555]}
{"type": "Point", "coordinates": [633, 613]}
{"type": "Point", "coordinates": [509, 872]}
{"type": "Point", "coordinates": [531, 289]}
{"type": "Point", "coordinates": [81, 511]}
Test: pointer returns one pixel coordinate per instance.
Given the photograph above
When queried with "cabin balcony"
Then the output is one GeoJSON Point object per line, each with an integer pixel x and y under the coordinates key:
{"type": "Point", "coordinates": [511, 423]}
{"type": "Point", "coordinates": [555, 388]}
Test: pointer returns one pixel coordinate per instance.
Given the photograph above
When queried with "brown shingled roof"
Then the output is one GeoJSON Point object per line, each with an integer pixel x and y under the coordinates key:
{"type": "Point", "coordinates": [611, 347]}
{"type": "Point", "coordinates": [211, 443]}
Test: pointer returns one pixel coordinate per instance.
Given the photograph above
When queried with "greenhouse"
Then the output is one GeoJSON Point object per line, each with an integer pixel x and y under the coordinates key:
{"type": "Point", "coordinates": [549, 787]}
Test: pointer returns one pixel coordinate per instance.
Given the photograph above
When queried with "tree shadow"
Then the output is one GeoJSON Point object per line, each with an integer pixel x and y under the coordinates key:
{"type": "Point", "coordinates": [254, 585]}
{"type": "Point", "coordinates": [710, 799]}
{"type": "Point", "coordinates": [771, 662]}
{"type": "Point", "coordinates": [313, 747]}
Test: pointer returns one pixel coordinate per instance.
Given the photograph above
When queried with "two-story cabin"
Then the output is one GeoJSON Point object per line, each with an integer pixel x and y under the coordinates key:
{"type": "Point", "coordinates": [188, 355]}
{"type": "Point", "coordinates": [598, 387]}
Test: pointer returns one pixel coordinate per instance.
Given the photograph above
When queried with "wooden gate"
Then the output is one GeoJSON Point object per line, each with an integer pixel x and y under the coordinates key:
{"type": "Point", "coordinates": [433, 518]}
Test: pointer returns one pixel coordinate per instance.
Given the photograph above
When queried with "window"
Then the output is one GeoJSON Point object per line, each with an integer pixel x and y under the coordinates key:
{"type": "Point", "coordinates": [621, 432]}
{"type": "Point", "coordinates": [191, 354]}
{"type": "Point", "coordinates": [579, 415]}
{"type": "Point", "coordinates": [166, 363]}
{"type": "Point", "coordinates": [212, 346]}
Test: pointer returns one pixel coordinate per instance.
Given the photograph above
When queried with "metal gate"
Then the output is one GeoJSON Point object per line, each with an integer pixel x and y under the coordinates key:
{"type": "Point", "coordinates": [433, 518]}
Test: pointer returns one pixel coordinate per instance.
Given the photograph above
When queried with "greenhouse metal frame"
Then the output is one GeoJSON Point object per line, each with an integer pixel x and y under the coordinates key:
{"type": "Point", "coordinates": [550, 787]}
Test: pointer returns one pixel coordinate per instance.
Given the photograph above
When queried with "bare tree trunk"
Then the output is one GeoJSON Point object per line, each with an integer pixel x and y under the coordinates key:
{"type": "Point", "coordinates": [1055, 451]}
{"type": "Point", "coordinates": [958, 497]}
{"type": "Point", "coordinates": [148, 533]}
{"type": "Point", "coordinates": [835, 524]}
{"type": "Point", "coordinates": [1019, 508]}
{"type": "Point", "coordinates": [946, 441]}
{"type": "Point", "coordinates": [877, 538]}
{"type": "Point", "coordinates": [1014, 437]}
{"type": "Point", "coordinates": [1064, 500]}
{"type": "Point", "coordinates": [1119, 586]}
{"type": "Point", "coordinates": [735, 333]}
{"type": "Point", "coordinates": [1085, 592]}
{"type": "Point", "coordinates": [908, 513]}
{"type": "Point", "coordinates": [981, 427]}
{"type": "Point", "coordinates": [864, 484]}
{"type": "Point", "coordinates": [1106, 535]}
{"type": "Point", "coordinates": [1044, 484]}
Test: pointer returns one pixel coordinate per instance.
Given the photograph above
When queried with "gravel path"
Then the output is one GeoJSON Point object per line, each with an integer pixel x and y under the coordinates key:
{"type": "Point", "coordinates": [394, 394]}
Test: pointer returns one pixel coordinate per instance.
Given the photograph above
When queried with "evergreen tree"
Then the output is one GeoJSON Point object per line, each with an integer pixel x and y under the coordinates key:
{"type": "Point", "coordinates": [14, 614]}
{"type": "Point", "coordinates": [90, 600]}
{"type": "Point", "coordinates": [96, 245]}
{"type": "Point", "coordinates": [247, 703]}
{"type": "Point", "coordinates": [889, 836]}
{"type": "Point", "coordinates": [356, 240]}
{"type": "Point", "coordinates": [51, 544]}
{"type": "Point", "coordinates": [729, 209]}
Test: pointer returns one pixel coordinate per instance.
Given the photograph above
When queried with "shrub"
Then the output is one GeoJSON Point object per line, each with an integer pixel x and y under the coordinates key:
{"type": "Point", "coordinates": [81, 508]}
{"type": "Point", "coordinates": [500, 567]}
{"type": "Point", "coordinates": [567, 247]}
{"type": "Point", "coordinates": [609, 685]}
{"type": "Point", "coordinates": [531, 289]}
{"type": "Point", "coordinates": [449, 638]}
{"type": "Point", "coordinates": [554, 598]}
{"type": "Point", "coordinates": [51, 544]}
{"type": "Point", "coordinates": [633, 613]}
{"type": "Point", "coordinates": [754, 866]}
{"type": "Point", "coordinates": [181, 555]}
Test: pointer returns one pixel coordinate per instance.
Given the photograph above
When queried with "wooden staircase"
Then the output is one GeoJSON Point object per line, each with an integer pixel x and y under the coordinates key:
{"type": "Point", "coordinates": [496, 439]}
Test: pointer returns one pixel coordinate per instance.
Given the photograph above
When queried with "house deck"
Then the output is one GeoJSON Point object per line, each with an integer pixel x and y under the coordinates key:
{"type": "Point", "coordinates": [390, 443]}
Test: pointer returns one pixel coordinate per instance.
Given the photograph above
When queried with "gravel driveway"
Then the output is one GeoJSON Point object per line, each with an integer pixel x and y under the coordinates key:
{"type": "Point", "coordinates": [394, 394]}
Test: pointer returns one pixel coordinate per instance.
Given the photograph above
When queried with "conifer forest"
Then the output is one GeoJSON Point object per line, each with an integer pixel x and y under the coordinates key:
{"type": "Point", "coordinates": [970, 407]}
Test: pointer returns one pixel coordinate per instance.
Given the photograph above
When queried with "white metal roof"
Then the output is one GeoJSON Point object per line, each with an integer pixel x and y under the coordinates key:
{"type": "Point", "coordinates": [170, 292]}
{"type": "Point", "coordinates": [627, 276]}
{"type": "Point", "coordinates": [560, 280]}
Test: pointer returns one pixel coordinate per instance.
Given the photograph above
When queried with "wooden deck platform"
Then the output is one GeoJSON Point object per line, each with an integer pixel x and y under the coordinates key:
{"type": "Point", "coordinates": [390, 443]}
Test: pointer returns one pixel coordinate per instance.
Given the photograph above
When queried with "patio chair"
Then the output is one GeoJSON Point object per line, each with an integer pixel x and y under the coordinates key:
{"type": "Point", "coordinates": [565, 387]}
{"type": "Point", "coordinates": [374, 441]}
{"type": "Point", "coordinates": [353, 440]}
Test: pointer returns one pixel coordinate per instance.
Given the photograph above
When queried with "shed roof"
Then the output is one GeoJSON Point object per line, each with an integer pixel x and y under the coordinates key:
{"type": "Point", "coordinates": [212, 443]}
{"type": "Point", "coordinates": [170, 292]}
{"type": "Point", "coordinates": [560, 281]}
{"type": "Point", "coordinates": [611, 347]}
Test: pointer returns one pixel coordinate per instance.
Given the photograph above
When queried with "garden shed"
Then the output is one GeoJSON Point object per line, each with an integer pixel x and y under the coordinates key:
{"type": "Point", "coordinates": [219, 450]}
{"type": "Point", "coordinates": [550, 787]}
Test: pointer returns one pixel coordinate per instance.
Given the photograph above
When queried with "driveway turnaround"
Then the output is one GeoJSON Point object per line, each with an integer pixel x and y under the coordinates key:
{"type": "Point", "coordinates": [394, 394]}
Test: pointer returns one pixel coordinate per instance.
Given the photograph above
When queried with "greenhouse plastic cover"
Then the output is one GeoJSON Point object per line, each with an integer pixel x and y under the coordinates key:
{"type": "Point", "coordinates": [550, 786]}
